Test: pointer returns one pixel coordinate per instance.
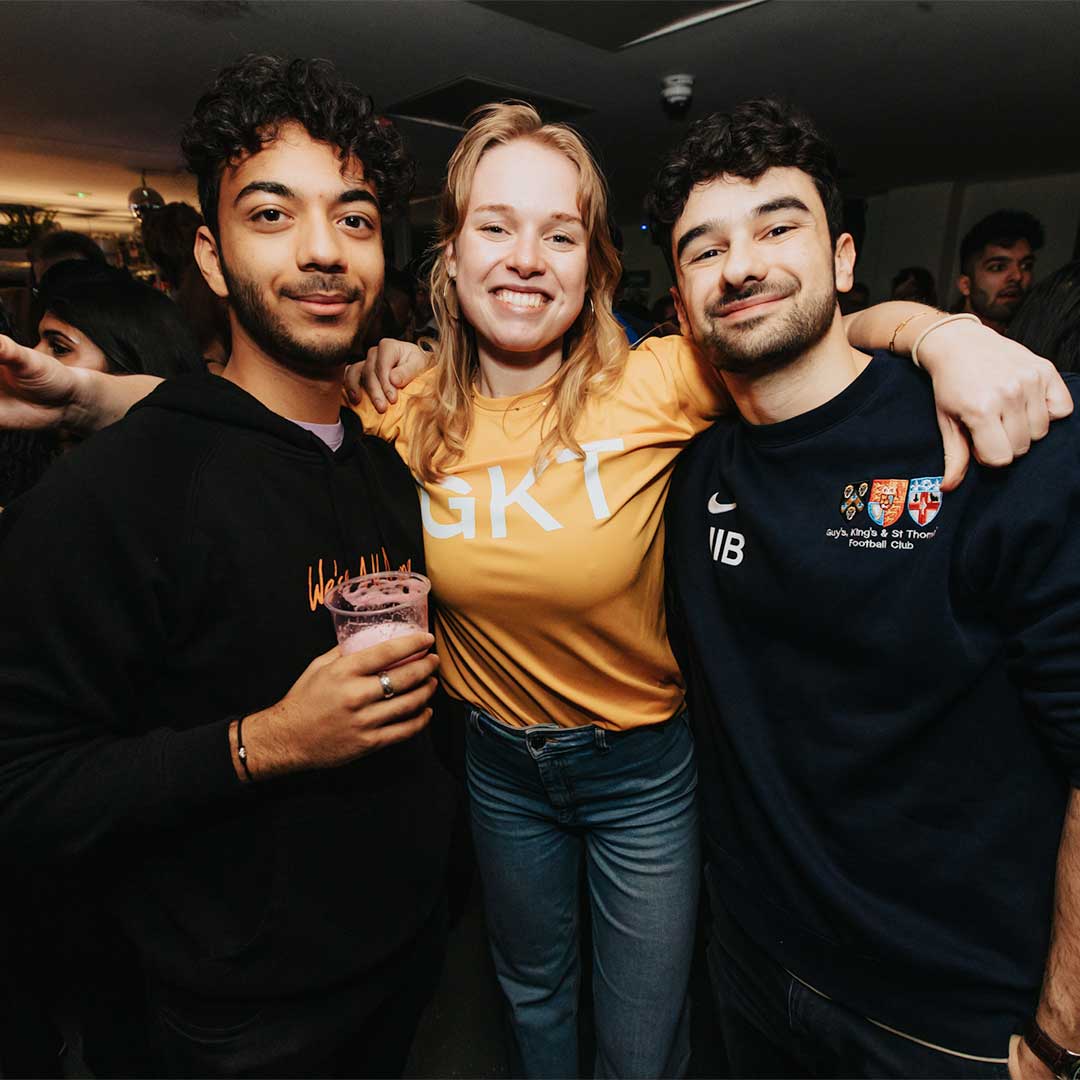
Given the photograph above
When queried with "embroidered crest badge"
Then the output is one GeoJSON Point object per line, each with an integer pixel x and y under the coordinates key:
{"type": "Point", "coordinates": [924, 499]}
{"type": "Point", "coordinates": [854, 499]}
{"type": "Point", "coordinates": [886, 502]}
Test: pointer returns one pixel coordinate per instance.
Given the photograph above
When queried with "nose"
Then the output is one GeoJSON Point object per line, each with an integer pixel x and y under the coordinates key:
{"type": "Point", "coordinates": [526, 256]}
{"type": "Point", "coordinates": [742, 262]}
{"type": "Point", "coordinates": [319, 245]}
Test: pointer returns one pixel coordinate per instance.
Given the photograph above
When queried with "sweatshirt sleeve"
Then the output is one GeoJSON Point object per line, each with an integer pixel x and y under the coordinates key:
{"type": "Point", "coordinates": [84, 601]}
{"type": "Point", "coordinates": [1022, 557]}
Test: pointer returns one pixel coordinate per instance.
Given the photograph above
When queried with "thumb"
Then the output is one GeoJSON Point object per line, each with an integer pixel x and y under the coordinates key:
{"type": "Point", "coordinates": [957, 451]}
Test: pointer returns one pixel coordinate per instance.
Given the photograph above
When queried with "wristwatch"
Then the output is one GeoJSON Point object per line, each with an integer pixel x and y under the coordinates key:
{"type": "Point", "coordinates": [1063, 1063]}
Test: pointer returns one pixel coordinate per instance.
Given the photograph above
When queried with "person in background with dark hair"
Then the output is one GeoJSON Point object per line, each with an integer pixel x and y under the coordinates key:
{"type": "Point", "coordinates": [169, 237]}
{"type": "Point", "coordinates": [399, 295]}
{"type": "Point", "coordinates": [60, 246]}
{"type": "Point", "coordinates": [102, 318]}
{"type": "Point", "coordinates": [664, 316]}
{"type": "Point", "coordinates": [1048, 321]}
{"type": "Point", "coordinates": [267, 817]}
{"type": "Point", "coordinates": [884, 676]}
{"type": "Point", "coordinates": [96, 317]}
{"type": "Point", "coordinates": [857, 298]}
{"type": "Point", "coordinates": [997, 263]}
{"type": "Point", "coordinates": [915, 283]}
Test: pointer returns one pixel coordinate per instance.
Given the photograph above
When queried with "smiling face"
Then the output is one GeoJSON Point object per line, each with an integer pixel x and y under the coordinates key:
{"type": "Point", "coordinates": [298, 254]}
{"type": "Point", "coordinates": [520, 261]}
{"type": "Point", "coordinates": [69, 344]}
{"type": "Point", "coordinates": [757, 270]}
{"type": "Point", "coordinates": [1000, 279]}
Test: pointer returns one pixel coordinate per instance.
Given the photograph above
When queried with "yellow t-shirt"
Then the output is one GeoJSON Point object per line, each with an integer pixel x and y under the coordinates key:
{"type": "Point", "coordinates": [549, 591]}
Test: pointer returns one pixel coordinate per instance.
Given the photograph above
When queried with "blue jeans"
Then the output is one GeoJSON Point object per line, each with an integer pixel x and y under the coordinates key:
{"type": "Point", "coordinates": [543, 798]}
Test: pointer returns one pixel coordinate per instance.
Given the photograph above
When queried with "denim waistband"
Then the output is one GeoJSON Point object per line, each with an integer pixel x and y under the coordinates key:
{"type": "Point", "coordinates": [538, 736]}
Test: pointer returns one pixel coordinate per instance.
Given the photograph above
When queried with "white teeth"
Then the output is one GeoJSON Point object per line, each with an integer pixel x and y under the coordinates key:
{"type": "Point", "coordinates": [520, 299]}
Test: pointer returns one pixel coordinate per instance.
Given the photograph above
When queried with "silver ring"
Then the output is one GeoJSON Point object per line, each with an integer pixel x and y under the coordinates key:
{"type": "Point", "coordinates": [388, 690]}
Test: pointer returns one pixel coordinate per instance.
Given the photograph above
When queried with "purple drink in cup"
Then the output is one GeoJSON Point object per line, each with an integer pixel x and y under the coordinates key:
{"type": "Point", "coordinates": [374, 608]}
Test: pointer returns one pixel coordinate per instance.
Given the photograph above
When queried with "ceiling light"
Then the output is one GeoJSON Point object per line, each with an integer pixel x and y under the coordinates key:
{"type": "Point", "coordinates": [143, 198]}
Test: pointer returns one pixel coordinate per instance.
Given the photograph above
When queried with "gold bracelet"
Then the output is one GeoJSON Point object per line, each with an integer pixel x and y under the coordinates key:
{"type": "Point", "coordinates": [965, 315]}
{"type": "Point", "coordinates": [900, 326]}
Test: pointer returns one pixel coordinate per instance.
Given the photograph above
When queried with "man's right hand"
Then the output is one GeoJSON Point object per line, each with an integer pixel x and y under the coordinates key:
{"type": "Point", "coordinates": [389, 366]}
{"type": "Point", "coordinates": [337, 711]}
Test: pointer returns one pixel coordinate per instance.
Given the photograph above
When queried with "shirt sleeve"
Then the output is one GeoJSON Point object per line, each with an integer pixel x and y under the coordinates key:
{"type": "Point", "coordinates": [699, 391]}
{"type": "Point", "coordinates": [83, 620]}
{"type": "Point", "coordinates": [390, 426]}
{"type": "Point", "coordinates": [1022, 558]}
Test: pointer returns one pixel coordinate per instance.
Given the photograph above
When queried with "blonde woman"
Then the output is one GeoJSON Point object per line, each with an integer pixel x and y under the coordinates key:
{"type": "Point", "coordinates": [544, 448]}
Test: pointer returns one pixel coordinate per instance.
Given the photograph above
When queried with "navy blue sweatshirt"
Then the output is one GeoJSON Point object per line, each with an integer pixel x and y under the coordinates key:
{"type": "Point", "coordinates": [885, 682]}
{"type": "Point", "coordinates": [165, 577]}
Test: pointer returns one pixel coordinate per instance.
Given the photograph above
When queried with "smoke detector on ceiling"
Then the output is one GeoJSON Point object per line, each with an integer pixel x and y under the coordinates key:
{"type": "Point", "coordinates": [676, 93]}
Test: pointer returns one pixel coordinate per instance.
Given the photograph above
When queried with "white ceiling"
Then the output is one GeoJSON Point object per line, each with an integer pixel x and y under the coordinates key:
{"type": "Point", "coordinates": [93, 90]}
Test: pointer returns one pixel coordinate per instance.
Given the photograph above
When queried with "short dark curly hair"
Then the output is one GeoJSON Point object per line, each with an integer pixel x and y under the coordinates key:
{"type": "Point", "coordinates": [754, 137]}
{"type": "Point", "coordinates": [253, 97]}
{"type": "Point", "coordinates": [1004, 228]}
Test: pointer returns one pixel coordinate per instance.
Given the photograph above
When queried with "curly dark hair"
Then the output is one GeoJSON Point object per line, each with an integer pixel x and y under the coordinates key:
{"type": "Point", "coordinates": [253, 97]}
{"type": "Point", "coordinates": [1003, 228]}
{"type": "Point", "coordinates": [754, 137]}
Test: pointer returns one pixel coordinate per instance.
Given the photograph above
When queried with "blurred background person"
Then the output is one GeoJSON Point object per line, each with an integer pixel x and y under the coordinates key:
{"type": "Point", "coordinates": [102, 318]}
{"type": "Point", "coordinates": [915, 283]}
{"type": "Point", "coordinates": [169, 237]}
{"type": "Point", "coordinates": [857, 298]}
{"type": "Point", "coordinates": [62, 246]}
{"type": "Point", "coordinates": [94, 316]}
{"type": "Point", "coordinates": [997, 264]}
{"type": "Point", "coordinates": [399, 296]}
{"type": "Point", "coordinates": [664, 317]}
{"type": "Point", "coordinates": [1048, 321]}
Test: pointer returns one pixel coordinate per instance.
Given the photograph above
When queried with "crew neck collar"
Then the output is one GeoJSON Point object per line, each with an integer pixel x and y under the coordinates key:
{"type": "Point", "coordinates": [515, 402]}
{"type": "Point", "coordinates": [852, 398]}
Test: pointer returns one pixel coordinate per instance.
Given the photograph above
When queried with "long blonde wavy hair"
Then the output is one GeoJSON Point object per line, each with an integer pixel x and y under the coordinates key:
{"type": "Point", "coordinates": [594, 348]}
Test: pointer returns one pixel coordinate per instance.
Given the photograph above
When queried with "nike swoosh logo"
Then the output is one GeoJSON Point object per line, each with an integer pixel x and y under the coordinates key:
{"type": "Point", "coordinates": [719, 507]}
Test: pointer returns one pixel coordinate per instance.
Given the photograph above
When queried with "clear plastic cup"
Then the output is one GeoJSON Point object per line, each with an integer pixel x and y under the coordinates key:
{"type": "Point", "coordinates": [374, 608]}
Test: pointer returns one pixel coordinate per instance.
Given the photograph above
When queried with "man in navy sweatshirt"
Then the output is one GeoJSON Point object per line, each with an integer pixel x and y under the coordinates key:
{"type": "Point", "coordinates": [265, 817]}
{"type": "Point", "coordinates": [885, 676]}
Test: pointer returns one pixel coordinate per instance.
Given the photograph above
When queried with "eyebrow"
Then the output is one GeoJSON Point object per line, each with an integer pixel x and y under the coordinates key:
{"type": "Point", "coordinates": [268, 186]}
{"type": "Point", "coordinates": [272, 187]}
{"type": "Point", "coordinates": [785, 202]}
{"type": "Point", "coordinates": [505, 208]}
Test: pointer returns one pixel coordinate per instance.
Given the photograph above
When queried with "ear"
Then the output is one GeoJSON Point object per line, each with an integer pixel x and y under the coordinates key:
{"type": "Point", "coordinates": [680, 311]}
{"type": "Point", "coordinates": [963, 283]}
{"type": "Point", "coordinates": [451, 260]}
{"type": "Point", "coordinates": [844, 262]}
{"type": "Point", "coordinates": [209, 260]}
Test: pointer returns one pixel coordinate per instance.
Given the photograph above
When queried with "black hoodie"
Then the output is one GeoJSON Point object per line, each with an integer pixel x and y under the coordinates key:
{"type": "Point", "coordinates": [167, 577]}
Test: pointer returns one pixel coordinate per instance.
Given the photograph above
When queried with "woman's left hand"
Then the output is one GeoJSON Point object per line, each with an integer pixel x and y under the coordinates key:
{"type": "Point", "coordinates": [1001, 393]}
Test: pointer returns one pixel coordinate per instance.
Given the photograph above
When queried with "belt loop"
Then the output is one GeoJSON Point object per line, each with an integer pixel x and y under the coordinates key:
{"type": "Point", "coordinates": [600, 737]}
{"type": "Point", "coordinates": [474, 721]}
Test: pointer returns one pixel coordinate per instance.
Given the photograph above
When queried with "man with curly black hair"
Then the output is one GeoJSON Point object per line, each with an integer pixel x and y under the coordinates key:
{"type": "Point", "coordinates": [885, 676]}
{"type": "Point", "coordinates": [266, 816]}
